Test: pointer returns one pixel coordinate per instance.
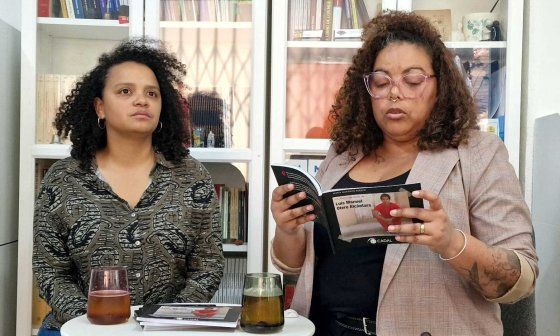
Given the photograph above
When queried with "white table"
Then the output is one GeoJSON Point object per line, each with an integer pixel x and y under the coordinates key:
{"type": "Point", "coordinates": [80, 326]}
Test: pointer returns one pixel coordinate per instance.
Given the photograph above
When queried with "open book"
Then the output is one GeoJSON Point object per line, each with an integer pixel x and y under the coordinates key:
{"type": "Point", "coordinates": [179, 316]}
{"type": "Point", "coordinates": [353, 216]}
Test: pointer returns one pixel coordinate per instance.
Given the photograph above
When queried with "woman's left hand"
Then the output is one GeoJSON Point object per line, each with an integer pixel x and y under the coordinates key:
{"type": "Point", "coordinates": [436, 232]}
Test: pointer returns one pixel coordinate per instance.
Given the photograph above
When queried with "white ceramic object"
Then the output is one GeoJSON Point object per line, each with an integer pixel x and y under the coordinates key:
{"type": "Point", "coordinates": [474, 25]}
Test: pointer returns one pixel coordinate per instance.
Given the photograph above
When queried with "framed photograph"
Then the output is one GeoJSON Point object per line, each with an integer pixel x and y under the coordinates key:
{"type": "Point", "coordinates": [441, 19]}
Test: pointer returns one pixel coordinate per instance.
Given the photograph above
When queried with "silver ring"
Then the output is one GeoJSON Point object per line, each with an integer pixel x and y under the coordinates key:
{"type": "Point", "coordinates": [422, 228]}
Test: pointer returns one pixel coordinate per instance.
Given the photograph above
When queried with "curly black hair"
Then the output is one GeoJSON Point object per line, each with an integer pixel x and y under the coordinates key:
{"type": "Point", "coordinates": [76, 115]}
{"type": "Point", "coordinates": [453, 115]}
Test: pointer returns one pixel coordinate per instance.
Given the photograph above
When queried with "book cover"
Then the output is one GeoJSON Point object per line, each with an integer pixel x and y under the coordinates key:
{"type": "Point", "coordinates": [351, 216]}
{"type": "Point", "coordinates": [189, 314]}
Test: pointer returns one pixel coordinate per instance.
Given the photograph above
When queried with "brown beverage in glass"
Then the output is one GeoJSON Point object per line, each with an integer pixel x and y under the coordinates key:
{"type": "Point", "coordinates": [263, 303]}
{"type": "Point", "coordinates": [108, 298]}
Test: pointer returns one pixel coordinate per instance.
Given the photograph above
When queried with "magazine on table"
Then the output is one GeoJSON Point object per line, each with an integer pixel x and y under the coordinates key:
{"type": "Point", "coordinates": [171, 316]}
{"type": "Point", "coordinates": [351, 216]}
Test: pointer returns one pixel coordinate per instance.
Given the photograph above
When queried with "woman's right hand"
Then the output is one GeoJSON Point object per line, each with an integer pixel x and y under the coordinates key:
{"type": "Point", "coordinates": [289, 220]}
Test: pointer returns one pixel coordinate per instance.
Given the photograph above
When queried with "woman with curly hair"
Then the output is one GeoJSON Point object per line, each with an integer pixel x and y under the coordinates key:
{"type": "Point", "coordinates": [405, 115]}
{"type": "Point", "coordinates": [130, 194]}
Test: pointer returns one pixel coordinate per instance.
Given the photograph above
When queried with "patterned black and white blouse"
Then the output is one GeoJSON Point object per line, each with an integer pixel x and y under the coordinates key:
{"type": "Point", "coordinates": [170, 242]}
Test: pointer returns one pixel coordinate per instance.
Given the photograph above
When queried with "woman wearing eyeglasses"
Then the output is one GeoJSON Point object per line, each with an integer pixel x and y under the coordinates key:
{"type": "Point", "coordinates": [405, 115]}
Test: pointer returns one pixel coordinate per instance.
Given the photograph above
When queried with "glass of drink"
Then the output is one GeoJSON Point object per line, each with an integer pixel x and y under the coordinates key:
{"type": "Point", "coordinates": [108, 298]}
{"type": "Point", "coordinates": [263, 303]}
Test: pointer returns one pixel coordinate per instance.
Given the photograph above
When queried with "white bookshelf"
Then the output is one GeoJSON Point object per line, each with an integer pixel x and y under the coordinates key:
{"type": "Point", "coordinates": [71, 47]}
{"type": "Point", "coordinates": [358, 44]}
{"type": "Point", "coordinates": [285, 53]}
{"type": "Point", "coordinates": [206, 25]}
{"type": "Point", "coordinates": [61, 151]}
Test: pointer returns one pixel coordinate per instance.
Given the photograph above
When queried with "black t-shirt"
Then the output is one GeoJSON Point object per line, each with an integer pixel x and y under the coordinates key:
{"type": "Point", "coordinates": [347, 283]}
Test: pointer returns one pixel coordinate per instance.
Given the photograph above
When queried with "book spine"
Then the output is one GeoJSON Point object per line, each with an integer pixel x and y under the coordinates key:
{"type": "Point", "coordinates": [78, 9]}
{"type": "Point", "coordinates": [44, 8]}
{"type": "Point", "coordinates": [70, 8]}
{"type": "Point", "coordinates": [354, 14]}
{"type": "Point", "coordinates": [63, 8]}
{"type": "Point", "coordinates": [103, 8]}
{"type": "Point", "coordinates": [88, 13]}
{"type": "Point", "coordinates": [336, 16]}
{"type": "Point", "coordinates": [96, 7]}
{"type": "Point", "coordinates": [328, 20]}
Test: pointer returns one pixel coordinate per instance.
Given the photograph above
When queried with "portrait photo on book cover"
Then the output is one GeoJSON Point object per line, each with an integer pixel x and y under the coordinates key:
{"type": "Point", "coordinates": [368, 215]}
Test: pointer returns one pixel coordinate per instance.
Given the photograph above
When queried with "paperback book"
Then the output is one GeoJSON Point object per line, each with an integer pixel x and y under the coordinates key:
{"type": "Point", "coordinates": [352, 216]}
{"type": "Point", "coordinates": [182, 315]}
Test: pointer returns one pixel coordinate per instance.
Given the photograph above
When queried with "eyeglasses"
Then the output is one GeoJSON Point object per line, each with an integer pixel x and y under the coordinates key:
{"type": "Point", "coordinates": [411, 85]}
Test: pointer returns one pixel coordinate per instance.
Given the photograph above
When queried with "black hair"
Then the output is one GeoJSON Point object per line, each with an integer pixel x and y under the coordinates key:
{"type": "Point", "coordinates": [76, 115]}
{"type": "Point", "coordinates": [384, 195]}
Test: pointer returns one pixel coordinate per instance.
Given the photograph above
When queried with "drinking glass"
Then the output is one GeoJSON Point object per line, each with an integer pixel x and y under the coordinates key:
{"type": "Point", "coordinates": [108, 297]}
{"type": "Point", "coordinates": [263, 303]}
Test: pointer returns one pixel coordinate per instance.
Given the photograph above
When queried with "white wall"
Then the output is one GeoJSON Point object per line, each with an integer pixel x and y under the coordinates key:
{"type": "Point", "coordinates": [10, 27]}
{"type": "Point", "coordinates": [541, 150]}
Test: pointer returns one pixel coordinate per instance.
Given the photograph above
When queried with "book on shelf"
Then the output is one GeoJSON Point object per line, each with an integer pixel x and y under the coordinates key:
{"type": "Point", "coordinates": [168, 316]}
{"type": "Point", "coordinates": [233, 213]}
{"type": "Point", "coordinates": [351, 216]}
{"type": "Point", "coordinates": [347, 34]}
{"type": "Point", "coordinates": [205, 10]}
{"type": "Point", "coordinates": [52, 89]}
{"type": "Point", "coordinates": [329, 16]}
{"type": "Point", "coordinates": [84, 9]}
{"type": "Point", "coordinates": [309, 35]}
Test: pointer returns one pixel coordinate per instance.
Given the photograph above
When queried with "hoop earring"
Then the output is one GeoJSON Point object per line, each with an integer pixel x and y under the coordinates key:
{"type": "Point", "coordinates": [99, 124]}
{"type": "Point", "coordinates": [160, 127]}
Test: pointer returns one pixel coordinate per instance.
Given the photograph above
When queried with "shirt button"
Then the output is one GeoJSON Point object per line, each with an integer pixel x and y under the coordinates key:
{"type": "Point", "coordinates": [137, 243]}
{"type": "Point", "coordinates": [133, 214]}
{"type": "Point", "coordinates": [138, 274]}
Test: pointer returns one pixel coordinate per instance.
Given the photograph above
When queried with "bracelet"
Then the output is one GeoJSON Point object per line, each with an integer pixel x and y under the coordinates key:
{"type": "Point", "coordinates": [458, 254]}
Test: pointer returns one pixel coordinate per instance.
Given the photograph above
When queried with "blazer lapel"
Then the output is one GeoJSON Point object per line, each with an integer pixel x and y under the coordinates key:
{"type": "Point", "coordinates": [431, 169]}
{"type": "Point", "coordinates": [339, 166]}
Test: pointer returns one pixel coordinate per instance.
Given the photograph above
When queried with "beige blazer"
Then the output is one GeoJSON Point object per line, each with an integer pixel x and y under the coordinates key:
{"type": "Point", "coordinates": [419, 292]}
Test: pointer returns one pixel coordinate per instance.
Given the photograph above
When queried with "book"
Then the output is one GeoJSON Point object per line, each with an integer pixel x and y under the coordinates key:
{"type": "Point", "coordinates": [341, 34]}
{"type": "Point", "coordinates": [188, 314]}
{"type": "Point", "coordinates": [351, 216]}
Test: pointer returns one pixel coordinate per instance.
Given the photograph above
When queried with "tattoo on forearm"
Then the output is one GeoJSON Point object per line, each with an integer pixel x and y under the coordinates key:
{"type": "Point", "coordinates": [495, 280]}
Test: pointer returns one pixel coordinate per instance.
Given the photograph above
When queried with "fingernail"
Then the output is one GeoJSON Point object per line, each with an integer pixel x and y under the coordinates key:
{"type": "Point", "coordinates": [391, 228]}
{"type": "Point", "coordinates": [309, 207]}
{"type": "Point", "coordinates": [416, 193]}
{"type": "Point", "coordinates": [290, 186]}
{"type": "Point", "coordinates": [398, 238]}
{"type": "Point", "coordinates": [394, 212]}
{"type": "Point", "coordinates": [301, 194]}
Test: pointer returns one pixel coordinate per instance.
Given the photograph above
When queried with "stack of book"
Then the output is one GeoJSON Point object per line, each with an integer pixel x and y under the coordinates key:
{"type": "Point", "coordinates": [84, 9]}
{"type": "Point", "coordinates": [206, 10]}
{"type": "Point", "coordinates": [329, 19]}
{"type": "Point", "coordinates": [52, 90]}
{"type": "Point", "coordinates": [184, 316]}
